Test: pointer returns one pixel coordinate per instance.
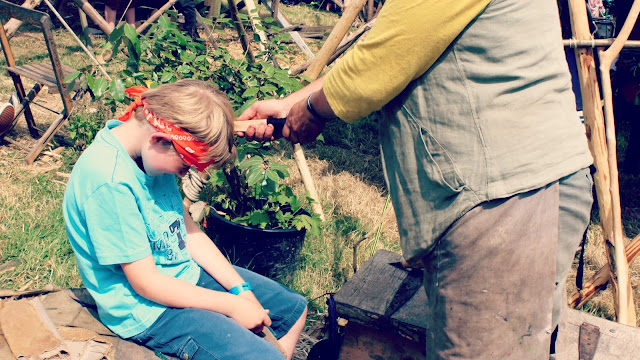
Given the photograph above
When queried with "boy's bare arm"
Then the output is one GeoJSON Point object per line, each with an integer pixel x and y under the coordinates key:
{"type": "Point", "coordinates": [169, 291]}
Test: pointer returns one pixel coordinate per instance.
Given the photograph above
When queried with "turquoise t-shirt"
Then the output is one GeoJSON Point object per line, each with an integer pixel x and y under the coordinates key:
{"type": "Point", "coordinates": [114, 214]}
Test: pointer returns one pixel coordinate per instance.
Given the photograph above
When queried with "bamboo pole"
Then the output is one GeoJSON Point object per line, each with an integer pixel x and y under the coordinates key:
{"type": "Point", "coordinates": [337, 34]}
{"type": "Point", "coordinates": [94, 15]}
{"type": "Point", "coordinates": [596, 133]}
{"type": "Point", "coordinates": [600, 279]}
{"type": "Point", "coordinates": [12, 25]}
{"type": "Point", "coordinates": [155, 16]}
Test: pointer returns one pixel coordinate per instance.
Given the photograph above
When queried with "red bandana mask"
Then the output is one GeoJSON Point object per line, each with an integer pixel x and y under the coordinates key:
{"type": "Point", "coordinates": [191, 150]}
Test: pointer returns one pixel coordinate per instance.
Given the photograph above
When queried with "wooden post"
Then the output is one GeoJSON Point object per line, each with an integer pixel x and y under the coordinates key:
{"type": "Point", "coordinates": [94, 15]}
{"type": "Point", "coordinates": [155, 16]}
{"type": "Point", "coordinates": [274, 8]}
{"type": "Point", "coordinates": [207, 31]}
{"type": "Point", "coordinates": [594, 120]}
{"type": "Point", "coordinates": [339, 30]}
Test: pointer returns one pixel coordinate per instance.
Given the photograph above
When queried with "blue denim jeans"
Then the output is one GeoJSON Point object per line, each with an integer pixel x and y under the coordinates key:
{"type": "Point", "coordinates": [197, 334]}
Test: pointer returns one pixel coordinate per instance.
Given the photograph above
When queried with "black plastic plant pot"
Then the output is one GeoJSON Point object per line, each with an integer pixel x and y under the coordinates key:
{"type": "Point", "coordinates": [273, 253]}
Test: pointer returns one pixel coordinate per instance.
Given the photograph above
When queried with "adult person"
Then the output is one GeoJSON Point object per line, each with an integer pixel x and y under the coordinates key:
{"type": "Point", "coordinates": [483, 154]}
{"type": "Point", "coordinates": [111, 10]}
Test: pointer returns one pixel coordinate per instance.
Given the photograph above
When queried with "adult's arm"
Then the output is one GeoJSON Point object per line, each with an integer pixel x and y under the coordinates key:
{"type": "Point", "coordinates": [405, 42]}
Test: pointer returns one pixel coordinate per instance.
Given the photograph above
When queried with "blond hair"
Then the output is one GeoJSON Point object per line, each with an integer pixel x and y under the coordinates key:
{"type": "Point", "coordinates": [200, 109]}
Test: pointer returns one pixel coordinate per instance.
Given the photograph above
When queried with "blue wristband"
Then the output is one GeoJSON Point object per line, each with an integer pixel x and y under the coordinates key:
{"type": "Point", "coordinates": [245, 286]}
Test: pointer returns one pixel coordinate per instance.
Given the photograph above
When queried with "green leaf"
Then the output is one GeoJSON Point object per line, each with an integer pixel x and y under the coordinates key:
{"type": "Point", "coordinates": [187, 56]}
{"type": "Point", "coordinates": [116, 87]}
{"type": "Point", "coordinates": [259, 218]}
{"type": "Point", "coordinates": [250, 92]}
{"type": "Point", "coordinates": [166, 77]}
{"type": "Point", "coordinates": [272, 175]}
{"type": "Point", "coordinates": [250, 162]}
{"type": "Point", "coordinates": [254, 177]}
{"type": "Point", "coordinates": [72, 76]}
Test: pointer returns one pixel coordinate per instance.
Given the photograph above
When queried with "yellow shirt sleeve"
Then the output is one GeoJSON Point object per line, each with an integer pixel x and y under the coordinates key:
{"type": "Point", "coordinates": [406, 40]}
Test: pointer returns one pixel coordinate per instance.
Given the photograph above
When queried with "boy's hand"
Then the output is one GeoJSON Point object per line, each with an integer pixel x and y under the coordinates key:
{"type": "Point", "coordinates": [251, 315]}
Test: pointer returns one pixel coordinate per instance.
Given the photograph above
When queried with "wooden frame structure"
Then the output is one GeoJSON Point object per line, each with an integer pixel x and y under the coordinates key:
{"type": "Point", "coordinates": [50, 73]}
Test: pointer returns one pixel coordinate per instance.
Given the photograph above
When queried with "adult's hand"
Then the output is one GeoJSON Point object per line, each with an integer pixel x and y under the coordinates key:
{"type": "Point", "coordinates": [263, 110]}
{"type": "Point", "coordinates": [301, 127]}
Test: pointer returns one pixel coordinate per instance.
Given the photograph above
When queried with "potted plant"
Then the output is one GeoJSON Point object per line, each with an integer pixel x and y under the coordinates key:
{"type": "Point", "coordinates": [256, 220]}
{"type": "Point", "coordinates": [249, 197]}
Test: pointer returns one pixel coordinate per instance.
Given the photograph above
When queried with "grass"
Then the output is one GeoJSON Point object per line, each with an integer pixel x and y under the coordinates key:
{"type": "Point", "coordinates": [346, 168]}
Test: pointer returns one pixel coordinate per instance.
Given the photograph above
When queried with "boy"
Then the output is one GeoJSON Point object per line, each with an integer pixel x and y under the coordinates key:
{"type": "Point", "coordinates": [156, 277]}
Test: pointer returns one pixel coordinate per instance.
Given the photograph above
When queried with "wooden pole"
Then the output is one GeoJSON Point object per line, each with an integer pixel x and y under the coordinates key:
{"type": "Point", "coordinates": [594, 120]}
{"type": "Point", "coordinates": [339, 30]}
{"type": "Point", "coordinates": [64, 23]}
{"type": "Point", "coordinates": [155, 16]}
{"type": "Point", "coordinates": [208, 33]}
{"type": "Point", "coordinates": [94, 15]}
{"type": "Point", "coordinates": [214, 9]}
{"type": "Point", "coordinates": [280, 18]}
{"type": "Point", "coordinates": [274, 8]}
{"type": "Point", "coordinates": [13, 24]}
{"type": "Point", "coordinates": [256, 24]}
{"type": "Point", "coordinates": [344, 45]}
{"type": "Point", "coordinates": [606, 59]}
{"type": "Point", "coordinates": [244, 40]}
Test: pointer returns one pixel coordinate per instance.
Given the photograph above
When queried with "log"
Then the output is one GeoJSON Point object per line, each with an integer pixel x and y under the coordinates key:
{"type": "Point", "coordinates": [337, 34]}
{"type": "Point", "coordinates": [594, 120]}
{"type": "Point", "coordinates": [94, 15]}
{"type": "Point", "coordinates": [214, 9]}
{"type": "Point", "coordinates": [13, 24]}
{"type": "Point", "coordinates": [155, 16]}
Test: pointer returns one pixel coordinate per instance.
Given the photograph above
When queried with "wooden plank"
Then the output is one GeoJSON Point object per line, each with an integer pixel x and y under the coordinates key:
{"type": "Point", "coordinates": [368, 297]}
{"type": "Point", "coordinates": [40, 72]}
{"type": "Point", "coordinates": [617, 341]}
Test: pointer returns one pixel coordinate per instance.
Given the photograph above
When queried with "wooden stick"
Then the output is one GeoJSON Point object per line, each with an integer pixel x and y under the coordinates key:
{"type": "Point", "coordinates": [13, 24]}
{"type": "Point", "coordinates": [274, 8]}
{"type": "Point", "coordinates": [572, 43]}
{"type": "Point", "coordinates": [155, 16]}
{"type": "Point", "coordinates": [600, 279]}
{"type": "Point", "coordinates": [594, 120]}
{"type": "Point", "coordinates": [280, 18]}
{"type": "Point", "coordinates": [334, 39]}
{"type": "Point", "coordinates": [244, 39]}
{"type": "Point", "coordinates": [256, 24]}
{"type": "Point", "coordinates": [208, 33]}
{"type": "Point", "coordinates": [214, 9]}
{"type": "Point", "coordinates": [64, 23]}
{"type": "Point", "coordinates": [344, 46]}
{"type": "Point", "coordinates": [606, 59]}
{"type": "Point", "coordinates": [94, 15]}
